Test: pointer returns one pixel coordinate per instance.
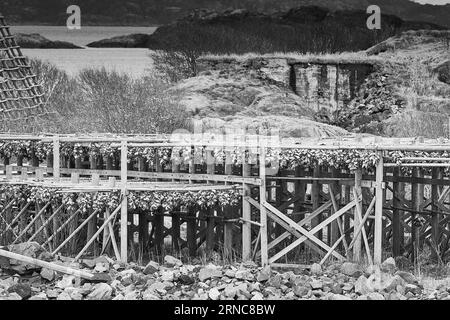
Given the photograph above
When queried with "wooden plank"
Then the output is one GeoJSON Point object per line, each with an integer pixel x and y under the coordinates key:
{"type": "Point", "coordinates": [263, 211]}
{"type": "Point", "coordinates": [357, 192]}
{"type": "Point", "coordinates": [124, 204]}
{"type": "Point", "coordinates": [44, 264]}
{"type": "Point", "coordinates": [397, 228]}
{"type": "Point", "coordinates": [246, 214]}
{"type": "Point", "coordinates": [378, 234]}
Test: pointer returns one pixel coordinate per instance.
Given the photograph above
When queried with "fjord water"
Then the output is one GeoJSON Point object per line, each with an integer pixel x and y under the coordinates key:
{"type": "Point", "coordinates": [134, 62]}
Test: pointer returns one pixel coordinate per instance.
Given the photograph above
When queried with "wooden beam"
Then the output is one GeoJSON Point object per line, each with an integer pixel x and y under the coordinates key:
{"type": "Point", "coordinates": [263, 211]}
{"type": "Point", "coordinates": [378, 234]}
{"type": "Point", "coordinates": [124, 204]}
{"type": "Point", "coordinates": [357, 192]}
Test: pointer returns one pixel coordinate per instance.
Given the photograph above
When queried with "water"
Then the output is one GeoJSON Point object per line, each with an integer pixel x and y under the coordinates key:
{"type": "Point", "coordinates": [134, 62]}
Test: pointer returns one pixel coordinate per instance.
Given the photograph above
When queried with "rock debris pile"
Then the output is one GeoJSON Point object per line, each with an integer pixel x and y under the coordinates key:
{"type": "Point", "coordinates": [175, 280]}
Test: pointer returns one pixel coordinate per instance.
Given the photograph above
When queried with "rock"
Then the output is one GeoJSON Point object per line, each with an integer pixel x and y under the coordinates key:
{"type": "Point", "coordinates": [172, 261]}
{"type": "Point", "coordinates": [375, 296]}
{"type": "Point", "coordinates": [443, 72]}
{"type": "Point", "coordinates": [274, 281]}
{"type": "Point", "coordinates": [29, 249]}
{"type": "Point", "coordinates": [209, 273]}
{"type": "Point", "coordinates": [316, 269]}
{"type": "Point", "coordinates": [151, 268]}
{"type": "Point", "coordinates": [340, 297]}
{"type": "Point", "coordinates": [101, 267]}
{"type": "Point", "coordinates": [337, 289]}
{"type": "Point", "coordinates": [363, 297]}
{"type": "Point", "coordinates": [362, 287]}
{"type": "Point", "coordinates": [64, 296]}
{"type": "Point", "coordinates": [408, 277]}
{"type": "Point", "coordinates": [48, 274]}
{"type": "Point", "coordinates": [68, 281]}
{"type": "Point", "coordinates": [388, 265]}
{"type": "Point", "coordinates": [264, 274]}
{"type": "Point", "coordinates": [131, 296]}
{"type": "Point", "coordinates": [244, 274]}
{"type": "Point", "coordinates": [413, 289]}
{"type": "Point", "coordinates": [214, 294]}
{"type": "Point", "coordinates": [230, 291]}
{"type": "Point", "coordinates": [167, 275]}
{"type": "Point", "coordinates": [301, 291]}
{"type": "Point", "coordinates": [257, 296]}
{"type": "Point", "coordinates": [23, 290]}
{"type": "Point", "coordinates": [230, 273]}
{"type": "Point", "coordinates": [102, 291]}
{"type": "Point", "coordinates": [12, 296]}
{"type": "Point", "coordinates": [52, 293]}
{"type": "Point", "coordinates": [316, 285]}
{"type": "Point", "coordinates": [186, 280]}
{"type": "Point", "coordinates": [39, 296]}
{"type": "Point", "coordinates": [348, 287]}
{"type": "Point", "coordinates": [351, 269]}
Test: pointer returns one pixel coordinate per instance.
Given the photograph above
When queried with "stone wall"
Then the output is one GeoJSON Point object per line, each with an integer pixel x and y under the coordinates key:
{"type": "Point", "coordinates": [323, 86]}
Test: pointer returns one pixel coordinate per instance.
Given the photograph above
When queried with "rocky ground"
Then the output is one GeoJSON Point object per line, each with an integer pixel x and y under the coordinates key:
{"type": "Point", "coordinates": [174, 280]}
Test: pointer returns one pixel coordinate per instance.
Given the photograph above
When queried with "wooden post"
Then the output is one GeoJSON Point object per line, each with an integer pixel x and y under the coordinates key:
{"type": "Point", "coordinates": [228, 227]}
{"type": "Point", "coordinates": [397, 219]}
{"type": "Point", "coordinates": [191, 232]}
{"type": "Point", "coordinates": [356, 220]}
{"type": "Point", "coordinates": [158, 233]}
{"type": "Point", "coordinates": [56, 159]}
{"type": "Point", "coordinates": [416, 199]}
{"type": "Point", "coordinates": [315, 199]}
{"type": "Point", "coordinates": [124, 205]}
{"type": "Point", "coordinates": [378, 235]}
{"type": "Point", "coordinates": [246, 214]}
{"type": "Point", "coordinates": [435, 218]}
{"type": "Point", "coordinates": [334, 229]}
{"type": "Point", "coordinates": [175, 216]}
{"type": "Point", "coordinates": [263, 210]}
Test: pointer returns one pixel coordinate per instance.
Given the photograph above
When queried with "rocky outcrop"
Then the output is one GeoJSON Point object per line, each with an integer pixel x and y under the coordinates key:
{"type": "Point", "coordinates": [443, 72]}
{"type": "Point", "coordinates": [137, 40]}
{"type": "Point", "coordinates": [36, 41]}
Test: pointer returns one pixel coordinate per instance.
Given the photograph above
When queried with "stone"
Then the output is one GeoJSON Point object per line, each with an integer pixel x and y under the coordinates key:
{"type": "Point", "coordinates": [388, 265]}
{"type": "Point", "coordinates": [150, 295]}
{"type": "Point", "coordinates": [351, 269]}
{"type": "Point", "coordinates": [209, 273]}
{"type": "Point", "coordinates": [412, 288]}
{"type": "Point", "coordinates": [316, 285]}
{"type": "Point", "coordinates": [257, 296]}
{"type": "Point", "coordinates": [408, 277]}
{"type": "Point", "coordinates": [151, 268]}
{"type": "Point", "coordinates": [23, 290]}
{"type": "Point", "coordinates": [186, 280]}
{"type": "Point", "coordinates": [167, 275]}
{"type": "Point", "coordinates": [230, 291]}
{"type": "Point", "coordinates": [336, 288]}
{"type": "Point", "coordinates": [12, 296]}
{"type": "Point", "coordinates": [131, 296]}
{"type": "Point", "coordinates": [30, 249]}
{"type": "Point", "coordinates": [118, 297]}
{"type": "Point", "coordinates": [101, 267]}
{"type": "Point", "coordinates": [363, 297]}
{"type": "Point", "coordinates": [38, 297]}
{"type": "Point", "coordinates": [102, 291]}
{"type": "Point", "coordinates": [361, 286]}
{"type": "Point", "coordinates": [214, 294]}
{"type": "Point", "coordinates": [171, 261]}
{"type": "Point", "coordinates": [375, 296]}
{"type": "Point", "coordinates": [48, 274]}
{"type": "Point", "coordinates": [68, 281]}
{"type": "Point", "coordinates": [64, 296]}
{"type": "Point", "coordinates": [316, 269]}
{"type": "Point", "coordinates": [52, 293]}
{"type": "Point", "coordinates": [244, 274]}
{"type": "Point", "coordinates": [340, 297]}
{"type": "Point", "coordinates": [348, 287]}
{"type": "Point", "coordinates": [264, 274]}
{"type": "Point", "coordinates": [275, 281]}
{"type": "Point", "coordinates": [301, 291]}
{"type": "Point", "coordinates": [230, 273]}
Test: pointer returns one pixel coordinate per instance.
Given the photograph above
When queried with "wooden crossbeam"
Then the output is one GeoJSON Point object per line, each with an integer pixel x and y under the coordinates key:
{"type": "Point", "coordinates": [32, 222]}
{"type": "Point", "coordinates": [308, 234]}
{"type": "Point", "coordinates": [358, 212]}
{"type": "Point", "coordinates": [73, 234]}
{"type": "Point", "coordinates": [62, 227]}
{"type": "Point", "coordinates": [103, 226]}
{"type": "Point", "coordinates": [46, 222]}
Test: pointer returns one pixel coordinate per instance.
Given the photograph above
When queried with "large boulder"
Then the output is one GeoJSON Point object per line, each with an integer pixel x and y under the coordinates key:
{"type": "Point", "coordinates": [443, 72]}
{"type": "Point", "coordinates": [29, 249]}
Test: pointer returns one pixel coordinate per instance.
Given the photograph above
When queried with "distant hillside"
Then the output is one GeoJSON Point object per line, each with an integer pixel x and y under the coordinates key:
{"type": "Point", "coordinates": [156, 12]}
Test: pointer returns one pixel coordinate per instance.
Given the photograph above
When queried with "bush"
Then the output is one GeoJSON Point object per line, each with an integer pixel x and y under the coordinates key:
{"type": "Point", "coordinates": [103, 101]}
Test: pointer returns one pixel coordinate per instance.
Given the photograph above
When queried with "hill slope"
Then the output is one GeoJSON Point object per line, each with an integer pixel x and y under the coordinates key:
{"type": "Point", "coordinates": [155, 12]}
